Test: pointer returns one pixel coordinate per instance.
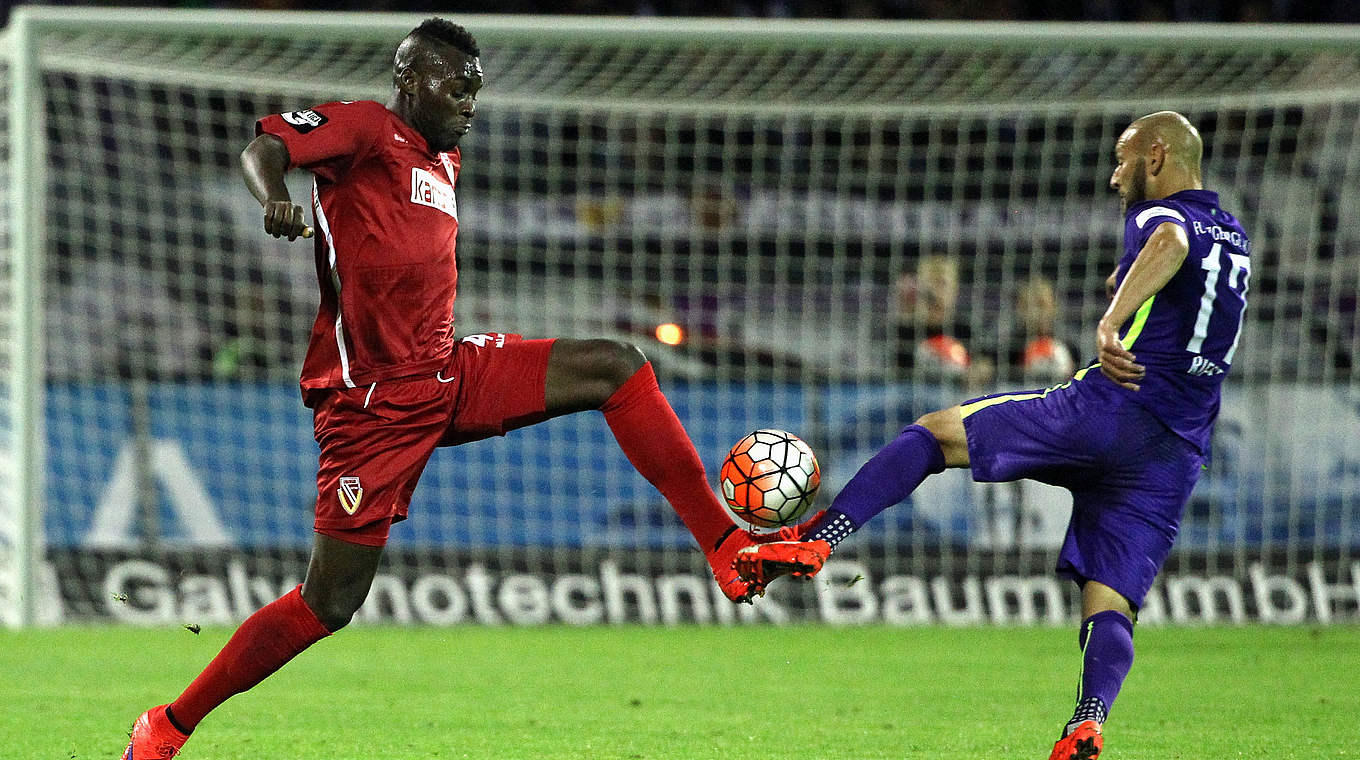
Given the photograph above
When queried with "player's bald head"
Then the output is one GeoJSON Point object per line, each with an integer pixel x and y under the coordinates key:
{"type": "Point", "coordinates": [1173, 132]}
{"type": "Point", "coordinates": [428, 48]}
{"type": "Point", "coordinates": [1157, 155]}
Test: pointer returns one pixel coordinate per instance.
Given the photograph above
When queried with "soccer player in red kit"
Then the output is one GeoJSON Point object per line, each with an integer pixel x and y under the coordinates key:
{"type": "Point", "coordinates": [385, 379]}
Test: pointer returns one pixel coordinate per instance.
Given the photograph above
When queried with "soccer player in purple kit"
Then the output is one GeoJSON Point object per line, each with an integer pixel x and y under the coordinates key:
{"type": "Point", "coordinates": [1128, 440]}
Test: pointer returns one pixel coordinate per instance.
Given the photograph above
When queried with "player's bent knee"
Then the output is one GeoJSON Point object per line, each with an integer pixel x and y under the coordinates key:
{"type": "Point", "coordinates": [1096, 597]}
{"type": "Point", "coordinates": [584, 374]}
{"type": "Point", "coordinates": [335, 613]}
{"type": "Point", "coordinates": [947, 427]}
{"type": "Point", "coordinates": [600, 359]}
{"type": "Point", "coordinates": [611, 363]}
{"type": "Point", "coordinates": [626, 359]}
{"type": "Point", "coordinates": [334, 604]}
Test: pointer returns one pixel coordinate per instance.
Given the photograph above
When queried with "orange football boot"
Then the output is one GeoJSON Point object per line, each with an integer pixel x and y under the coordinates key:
{"type": "Point", "coordinates": [763, 562]}
{"type": "Point", "coordinates": [722, 559]}
{"type": "Point", "coordinates": [153, 738]}
{"type": "Point", "coordinates": [1084, 743]}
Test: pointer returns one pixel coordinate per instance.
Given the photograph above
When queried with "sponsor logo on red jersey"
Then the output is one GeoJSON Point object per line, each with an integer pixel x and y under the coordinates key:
{"type": "Point", "coordinates": [427, 190]}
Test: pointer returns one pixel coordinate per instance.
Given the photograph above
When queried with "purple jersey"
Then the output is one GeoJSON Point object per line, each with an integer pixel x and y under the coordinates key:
{"type": "Point", "coordinates": [1186, 334]}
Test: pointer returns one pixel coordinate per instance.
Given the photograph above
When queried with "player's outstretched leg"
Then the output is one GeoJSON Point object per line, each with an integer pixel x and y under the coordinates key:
{"type": "Point", "coordinates": [936, 441]}
{"type": "Point", "coordinates": [618, 380]}
{"type": "Point", "coordinates": [338, 580]}
{"type": "Point", "coordinates": [1106, 641]}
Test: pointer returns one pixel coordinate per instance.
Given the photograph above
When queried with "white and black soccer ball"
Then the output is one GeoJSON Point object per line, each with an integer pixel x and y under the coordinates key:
{"type": "Point", "coordinates": [770, 478]}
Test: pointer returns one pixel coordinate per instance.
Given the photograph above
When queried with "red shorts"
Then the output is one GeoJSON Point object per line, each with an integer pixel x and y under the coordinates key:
{"type": "Point", "coordinates": [376, 439]}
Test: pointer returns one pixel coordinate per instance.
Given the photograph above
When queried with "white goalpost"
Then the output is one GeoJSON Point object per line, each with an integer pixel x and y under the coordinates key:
{"type": "Point", "coordinates": [824, 227]}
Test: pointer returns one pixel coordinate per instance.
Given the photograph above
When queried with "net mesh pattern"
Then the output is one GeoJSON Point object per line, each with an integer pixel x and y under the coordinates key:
{"type": "Point", "coordinates": [9, 514]}
{"type": "Point", "coordinates": [732, 71]}
{"type": "Point", "coordinates": [788, 204]}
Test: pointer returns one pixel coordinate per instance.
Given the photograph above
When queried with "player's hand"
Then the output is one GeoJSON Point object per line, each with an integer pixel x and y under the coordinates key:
{"type": "Point", "coordinates": [285, 219]}
{"type": "Point", "coordinates": [1116, 362]}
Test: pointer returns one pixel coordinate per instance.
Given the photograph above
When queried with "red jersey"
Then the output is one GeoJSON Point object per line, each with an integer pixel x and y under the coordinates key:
{"type": "Point", "coordinates": [386, 223]}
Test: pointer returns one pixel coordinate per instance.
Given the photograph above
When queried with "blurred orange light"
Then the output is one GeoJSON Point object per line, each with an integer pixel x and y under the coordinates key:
{"type": "Point", "coordinates": [670, 333]}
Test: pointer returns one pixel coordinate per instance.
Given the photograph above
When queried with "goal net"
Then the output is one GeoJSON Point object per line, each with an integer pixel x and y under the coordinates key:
{"type": "Point", "coordinates": [845, 225]}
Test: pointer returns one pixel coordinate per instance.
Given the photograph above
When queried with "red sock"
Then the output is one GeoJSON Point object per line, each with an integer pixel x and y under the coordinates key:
{"type": "Point", "coordinates": [658, 446]}
{"type": "Point", "coordinates": [271, 637]}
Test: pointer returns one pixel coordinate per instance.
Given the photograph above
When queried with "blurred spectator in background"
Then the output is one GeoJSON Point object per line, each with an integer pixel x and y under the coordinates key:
{"type": "Point", "coordinates": [927, 336]}
{"type": "Point", "coordinates": [1029, 513]}
{"type": "Point", "coordinates": [112, 319]}
{"type": "Point", "coordinates": [1036, 356]}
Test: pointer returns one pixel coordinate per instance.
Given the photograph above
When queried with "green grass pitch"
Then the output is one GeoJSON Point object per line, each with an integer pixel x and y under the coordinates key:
{"type": "Point", "coordinates": [634, 693]}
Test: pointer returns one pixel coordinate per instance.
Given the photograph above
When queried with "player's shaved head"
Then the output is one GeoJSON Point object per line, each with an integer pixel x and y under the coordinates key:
{"type": "Point", "coordinates": [1157, 155]}
{"type": "Point", "coordinates": [1177, 136]}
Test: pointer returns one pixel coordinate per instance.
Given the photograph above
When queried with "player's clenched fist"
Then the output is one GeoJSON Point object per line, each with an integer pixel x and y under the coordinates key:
{"type": "Point", "coordinates": [285, 219]}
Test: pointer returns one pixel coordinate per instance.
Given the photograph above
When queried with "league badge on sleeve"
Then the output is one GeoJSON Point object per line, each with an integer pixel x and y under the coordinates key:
{"type": "Point", "coordinates": [305, 120]}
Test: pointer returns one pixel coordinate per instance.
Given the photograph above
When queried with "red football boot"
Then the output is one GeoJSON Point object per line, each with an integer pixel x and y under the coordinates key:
{"type": "Point", "coordinates": [1084, 743]}
{"type": "Point", "coordinates": [723, 558]}
{"type": "Point", "coordinates": [153, 738]}
{"type": "Point", "coordinates": [761, 563]}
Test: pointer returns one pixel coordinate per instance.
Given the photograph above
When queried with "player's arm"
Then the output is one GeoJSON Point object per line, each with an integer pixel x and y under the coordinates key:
{"type": "Point", "coordinates": [1155, 265]}
{"type": "Point", "coordinates": [265, 161]}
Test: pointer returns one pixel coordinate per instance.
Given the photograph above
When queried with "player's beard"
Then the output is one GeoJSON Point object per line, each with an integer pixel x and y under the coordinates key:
{"type": "Point", "coordinates": [1135, 190]}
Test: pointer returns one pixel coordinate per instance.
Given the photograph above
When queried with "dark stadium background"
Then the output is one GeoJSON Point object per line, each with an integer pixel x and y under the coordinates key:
{"type": "Point", "coordinates": [1304, 11]}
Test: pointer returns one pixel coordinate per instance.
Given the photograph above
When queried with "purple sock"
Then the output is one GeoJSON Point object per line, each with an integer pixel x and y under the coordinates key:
{"type": "Point", "coordinates": [1106, 641]}
{"type": "Point", "coordinates": [886, 479]}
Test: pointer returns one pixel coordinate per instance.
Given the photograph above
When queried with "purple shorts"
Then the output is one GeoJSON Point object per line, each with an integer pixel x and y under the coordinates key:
{"type": "Point", "coordinates": [1129, 475]}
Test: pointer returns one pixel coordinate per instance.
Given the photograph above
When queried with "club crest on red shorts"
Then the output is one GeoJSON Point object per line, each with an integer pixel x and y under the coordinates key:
{"type": "Point", "coordinates": [351, 493]}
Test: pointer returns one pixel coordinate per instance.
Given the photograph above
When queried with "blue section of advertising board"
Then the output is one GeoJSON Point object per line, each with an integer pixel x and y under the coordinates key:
{"type": "Point", "coordinates": [236, 463]}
